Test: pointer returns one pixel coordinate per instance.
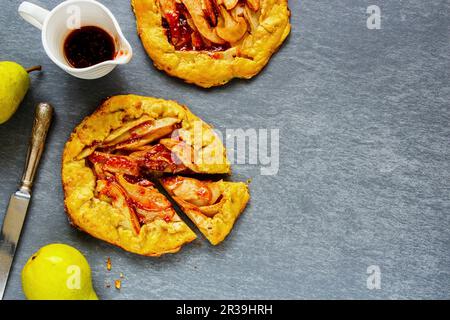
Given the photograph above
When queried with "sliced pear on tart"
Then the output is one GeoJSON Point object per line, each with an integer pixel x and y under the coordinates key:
{"type": "Point", "coordinates": [142, 134]}
{"type": "Point", "coordinates": [212, 206]}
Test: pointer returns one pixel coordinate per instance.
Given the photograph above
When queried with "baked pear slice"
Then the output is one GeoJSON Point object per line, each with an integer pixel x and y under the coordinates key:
{"type": "Point", "coordinates": [212, 206]}
{"type": "Point", "coordinates": [109, 158]}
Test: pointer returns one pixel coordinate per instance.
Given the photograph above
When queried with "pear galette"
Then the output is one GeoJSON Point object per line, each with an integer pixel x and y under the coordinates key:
{"type": "Point", "coordinates": [109, 163]}
{"type": "Point", "coordinates": [210, 42]}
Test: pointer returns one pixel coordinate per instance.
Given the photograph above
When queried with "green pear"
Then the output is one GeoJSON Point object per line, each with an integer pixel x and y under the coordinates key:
{"type": "Point", "coordinates": [14, 84]}
{"type": "Point", "coordinates": [57, 272]}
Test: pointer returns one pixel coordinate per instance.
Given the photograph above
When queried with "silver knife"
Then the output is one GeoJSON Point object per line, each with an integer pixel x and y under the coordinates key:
{"type": "Point", "coordinates": [18, 203]}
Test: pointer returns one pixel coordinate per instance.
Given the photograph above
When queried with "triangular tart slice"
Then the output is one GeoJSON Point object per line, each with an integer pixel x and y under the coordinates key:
{"type": "Point", "coordinates": [212, 206]}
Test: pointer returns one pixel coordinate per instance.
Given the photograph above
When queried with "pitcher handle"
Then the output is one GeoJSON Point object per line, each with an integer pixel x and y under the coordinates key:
{"type": "Point", "coordinates": [33, 14]}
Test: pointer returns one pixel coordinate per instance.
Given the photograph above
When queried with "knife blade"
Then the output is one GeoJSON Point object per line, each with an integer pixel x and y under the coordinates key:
{"type": "Point", "coordinates": [19, 201]}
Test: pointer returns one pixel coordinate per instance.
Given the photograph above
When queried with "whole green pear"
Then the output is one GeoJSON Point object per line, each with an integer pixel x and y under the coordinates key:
{"type": "Point", "coordinates": [14, 84]}
{"type": "Point", "coordinates": [57, 272]}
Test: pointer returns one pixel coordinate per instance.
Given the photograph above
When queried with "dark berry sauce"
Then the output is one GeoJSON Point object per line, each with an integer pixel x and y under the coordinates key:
{"type": "Point", "coordinates": [88, 46]}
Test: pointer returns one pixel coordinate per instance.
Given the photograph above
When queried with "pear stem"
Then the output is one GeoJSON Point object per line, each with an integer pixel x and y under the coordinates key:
{"type": "Point", "coordinates": [35, 68]}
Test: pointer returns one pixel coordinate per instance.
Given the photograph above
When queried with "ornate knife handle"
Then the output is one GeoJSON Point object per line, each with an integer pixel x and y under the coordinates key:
{"type": "Point", "coordinates": [42, 119]}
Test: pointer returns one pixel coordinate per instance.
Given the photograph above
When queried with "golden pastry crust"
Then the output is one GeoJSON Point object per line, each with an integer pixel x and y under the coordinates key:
{"type": "Point", "coordinates": [102, 218]}
{"type": "Point", "coordinates": [216, 218]}
{"type": "Point", "coordinates": [244, 59]}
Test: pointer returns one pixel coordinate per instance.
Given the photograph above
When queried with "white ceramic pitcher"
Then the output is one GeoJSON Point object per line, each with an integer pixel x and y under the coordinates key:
{"type": "Point", "coordinates": [64, 18]}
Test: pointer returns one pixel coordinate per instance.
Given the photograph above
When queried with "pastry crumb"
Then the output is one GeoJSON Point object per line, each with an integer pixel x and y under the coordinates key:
{"type": "Point", "coordinates": [118, 284]}
{"type": "Point", "coordinates": [121, 275]}
{"type": "Point", "coordinates": [108, 264]}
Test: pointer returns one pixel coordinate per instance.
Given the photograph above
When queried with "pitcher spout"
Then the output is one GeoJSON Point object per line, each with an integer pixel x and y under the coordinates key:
{"type": "Point", "coordinates": [124, 51]}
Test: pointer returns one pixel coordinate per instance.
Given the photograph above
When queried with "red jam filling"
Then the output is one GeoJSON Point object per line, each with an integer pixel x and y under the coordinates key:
{"type": "Point", "coordinates": [183, 37]}
{"type": "Point", "coordinates": [158, 158]}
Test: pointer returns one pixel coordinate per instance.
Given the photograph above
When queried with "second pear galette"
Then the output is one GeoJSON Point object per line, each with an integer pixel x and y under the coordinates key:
{"type": "Point", "coordinates": [109, 167]}
{"type": "Point", "coordinates": [210, 42]}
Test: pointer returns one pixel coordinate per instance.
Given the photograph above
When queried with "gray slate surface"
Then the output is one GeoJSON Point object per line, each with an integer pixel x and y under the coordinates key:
{"type": "Point", "coordinates": [364, 159]}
